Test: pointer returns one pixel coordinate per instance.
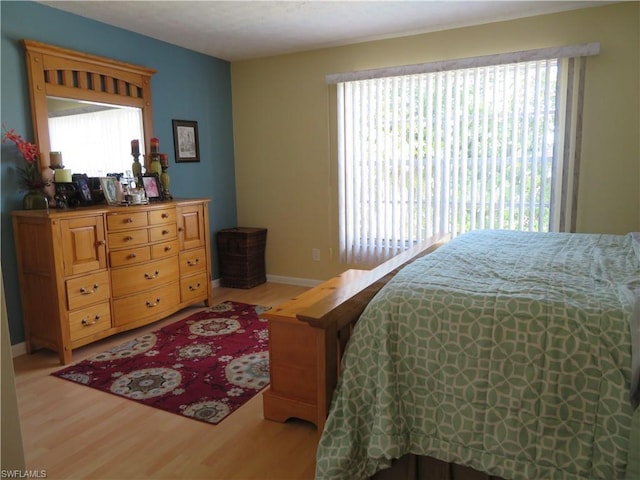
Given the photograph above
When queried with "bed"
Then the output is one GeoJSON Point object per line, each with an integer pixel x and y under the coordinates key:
{"type": "Point", "coordinates": [505, 353]}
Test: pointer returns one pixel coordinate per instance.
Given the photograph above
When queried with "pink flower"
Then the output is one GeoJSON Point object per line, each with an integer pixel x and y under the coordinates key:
{"type": "Point", "coordinates": [30, 173]}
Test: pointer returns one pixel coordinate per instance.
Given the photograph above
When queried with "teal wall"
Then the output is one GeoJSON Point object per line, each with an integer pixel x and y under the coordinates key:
{"type": "Point", "coordinates": [188, 86]}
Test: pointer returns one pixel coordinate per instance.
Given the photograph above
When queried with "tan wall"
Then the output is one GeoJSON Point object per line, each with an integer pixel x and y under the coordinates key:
{"type": "Point", "coordinates": [284, 124]}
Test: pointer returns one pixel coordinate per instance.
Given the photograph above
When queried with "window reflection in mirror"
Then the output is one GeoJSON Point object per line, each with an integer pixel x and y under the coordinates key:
{"type": "Point", "coordinates": [94, 138]}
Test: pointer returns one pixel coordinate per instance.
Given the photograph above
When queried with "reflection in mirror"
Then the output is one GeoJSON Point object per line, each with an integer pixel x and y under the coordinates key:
{"type": "Point", "coordinates": [56, 72]}
{"type": "Point", "coordinates": [94, 138]}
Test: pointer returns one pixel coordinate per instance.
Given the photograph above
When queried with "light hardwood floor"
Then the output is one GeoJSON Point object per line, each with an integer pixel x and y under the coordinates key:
{"type": "Point", "coordinates": [72, 431]}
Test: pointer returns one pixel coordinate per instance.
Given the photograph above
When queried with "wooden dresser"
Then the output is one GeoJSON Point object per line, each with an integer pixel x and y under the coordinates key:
{"type": "Point", "coordinates": [88, 273]}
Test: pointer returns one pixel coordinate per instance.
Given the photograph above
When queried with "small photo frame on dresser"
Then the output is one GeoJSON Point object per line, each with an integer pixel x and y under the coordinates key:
{"type": "Point", "coordinates": [152, 187]}
{"type": "Point", "coordinates": [82, 183]}
{"type": "Point", "coordinates": [110, 190]}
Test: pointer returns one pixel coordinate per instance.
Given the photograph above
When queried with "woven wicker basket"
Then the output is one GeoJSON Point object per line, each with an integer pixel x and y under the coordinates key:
{"type": "Point", "coordinates": [241, 253]}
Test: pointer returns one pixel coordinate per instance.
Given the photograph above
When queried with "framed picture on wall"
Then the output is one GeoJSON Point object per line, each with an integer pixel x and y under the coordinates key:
{"type": "Point", "coordinates": [185, 141]}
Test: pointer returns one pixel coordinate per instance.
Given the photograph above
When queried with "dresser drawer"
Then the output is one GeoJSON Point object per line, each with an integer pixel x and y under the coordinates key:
{"type": "Point", "coordinates": [130, 256]}
{"type": "Point", "coordinates": [87, 290]}
{"type": "Point", "coordinates": [160, 217]}
{"type": "Point", "coordinates": [89, 320]}
{"type": "Point", "coordinates": [166, 249]}
{"type": "Point", "coordinates": [193, 287]}
{"type": "Point", "coordinates": [128, 280]}
{"type": "Point", "coordinates": [193, 261]}
{"type": "Point", "coordinates": [126, 220]}
{"type": "Point", "coordinates": [146, 304]}
{"type": "Point", "coordinates": [128, 238]}
{"type": "Point", "coordinates": [164, 232]}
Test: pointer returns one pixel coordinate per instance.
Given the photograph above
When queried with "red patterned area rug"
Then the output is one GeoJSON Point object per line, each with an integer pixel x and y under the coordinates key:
{"type": "Point", "coordinates": [203, 367]}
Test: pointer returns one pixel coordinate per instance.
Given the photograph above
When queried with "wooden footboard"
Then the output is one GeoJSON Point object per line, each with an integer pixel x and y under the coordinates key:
{"type": "Point", "coordinates": [333, 316]}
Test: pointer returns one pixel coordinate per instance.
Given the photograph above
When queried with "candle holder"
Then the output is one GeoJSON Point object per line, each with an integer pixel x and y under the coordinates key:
{"type": "Point", "coordinates": [155, 145]}
{"type": "Point", "coordinates": [136, 167]}
{"type": "Point", "coordinates": [57, 172]}
{"type": "Point", "coordinates": [164, 177]}
{"type": "Point", "coordinates": [154, 165]}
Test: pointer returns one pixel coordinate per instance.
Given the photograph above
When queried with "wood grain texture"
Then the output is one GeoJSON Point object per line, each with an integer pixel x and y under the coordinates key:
{"type": "Point", "coordinates": [347, 302]}
{"type": "Point", "coordinates": [72, 431]}
{"type": "Point", "coordinates": [298, 354]}
{"type": "Point", "coordinates": [154, 267]}
{"type": "Point", "coordinates": [45, 65]}
{"type": "Point", "coordinates": [331, 315]}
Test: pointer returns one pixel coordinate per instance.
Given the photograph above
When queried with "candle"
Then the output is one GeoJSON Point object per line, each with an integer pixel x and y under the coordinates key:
{"type": "Point", "coordinates": [164, 160]}
{"type": "Point", "coordinates": [55, 159]}
{"type": "Point", "coordinates": [135, 147]}
{"type": "Point", "coordinates": [155, 145]}
{"type": "Point", "coordinates": [62, 175]}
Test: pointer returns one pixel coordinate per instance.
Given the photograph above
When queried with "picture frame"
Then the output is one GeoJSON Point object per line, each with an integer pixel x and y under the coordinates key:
{"type": "Point", "coordinates": [84, 192]}
{"type": "Point", "coordinates": [109, 189]}
{"type": "Point", "coordinates": [185, 141]}
{"type": "Point", "coordinates": [152, 186]}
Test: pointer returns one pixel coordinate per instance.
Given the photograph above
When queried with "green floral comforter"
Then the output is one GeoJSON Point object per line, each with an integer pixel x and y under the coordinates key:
{"type": "Point", "coordinates": [509, 352]}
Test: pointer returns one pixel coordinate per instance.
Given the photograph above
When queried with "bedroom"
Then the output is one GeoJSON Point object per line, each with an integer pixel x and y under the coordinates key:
{"type": "Point", "coordinates": [283, 159]}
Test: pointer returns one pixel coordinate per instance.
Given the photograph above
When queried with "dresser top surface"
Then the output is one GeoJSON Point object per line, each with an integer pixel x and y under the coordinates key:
{"type": "Point", "coordinates": [99, 209]}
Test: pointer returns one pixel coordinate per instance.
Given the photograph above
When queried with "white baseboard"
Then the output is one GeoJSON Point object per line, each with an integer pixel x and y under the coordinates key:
{"type": "Point", "coordinates": [18, 349]}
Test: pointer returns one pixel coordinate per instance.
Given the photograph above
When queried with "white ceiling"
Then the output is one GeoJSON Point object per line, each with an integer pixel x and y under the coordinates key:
{"type": "Point", "coordinates": [242, 29]}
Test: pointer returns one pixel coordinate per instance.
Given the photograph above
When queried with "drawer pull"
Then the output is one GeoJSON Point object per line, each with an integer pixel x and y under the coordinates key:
{"type": "Point", "coordinates": [129, 220]}
{"type": "Point", "coordinates": [133, 255]}
{"type": "Point", "coordinates": [128, 239]}
{"type": "Point", "coordinates": [193, 263]}
{"type": "Point", "coordinates": [165, 215]}
{"type": "Point", "coordinates": [84, 291]}
{"type": "Point", "coordinates": [85, 323]}
{"type": "Point", "coordinates": [100, 243]}
{"type": "Point", "coordinates": [165, 232]}
{"type": "Point", "coordinates": [193, 289]}
{"type": "Point", "coordinates": [167, 248]}
{"type": "Point", "coordinates": [149, 276]}
{"type": "Point", "coordinates": [151, 305]}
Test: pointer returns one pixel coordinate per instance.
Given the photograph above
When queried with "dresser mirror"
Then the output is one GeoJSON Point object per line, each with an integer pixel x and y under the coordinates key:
{"type": "Point", "coordinates": [63, 81]}
{"type": "Point", "coordinates": [77, 127]}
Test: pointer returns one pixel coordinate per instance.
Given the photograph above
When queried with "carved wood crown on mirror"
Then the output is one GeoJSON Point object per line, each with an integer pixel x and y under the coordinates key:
{"type": "Point", "coordinates": [62, 73]}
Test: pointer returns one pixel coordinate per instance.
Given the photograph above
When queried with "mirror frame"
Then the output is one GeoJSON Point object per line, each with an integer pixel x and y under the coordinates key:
{"type": "Point", "coordinates": [60, 72]}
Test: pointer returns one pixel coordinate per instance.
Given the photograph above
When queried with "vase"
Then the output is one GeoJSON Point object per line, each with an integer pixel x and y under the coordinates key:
{"type": "Point", "coordinates": [155, 166]}
{"type": "Point", "coordinates": [35, 200]}
{"type": "Point", "coordinates": [136, 167]}
{"type": "Point", "coordinates": [164, 180]}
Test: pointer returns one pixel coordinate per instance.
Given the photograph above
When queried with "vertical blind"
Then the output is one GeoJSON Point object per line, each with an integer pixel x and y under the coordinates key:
{"type": "Point", "coordinates": [450, 151]}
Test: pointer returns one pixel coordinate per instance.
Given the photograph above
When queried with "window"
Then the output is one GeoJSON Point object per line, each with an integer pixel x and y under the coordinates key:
{"type": "Point", "coordinates": [491, 142]}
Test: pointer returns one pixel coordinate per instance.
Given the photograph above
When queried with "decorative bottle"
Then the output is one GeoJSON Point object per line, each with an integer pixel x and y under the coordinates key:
{"type": "Point", "coordinates": [164, 176]}
{"type": "Point", "coordinates": [136, 167]}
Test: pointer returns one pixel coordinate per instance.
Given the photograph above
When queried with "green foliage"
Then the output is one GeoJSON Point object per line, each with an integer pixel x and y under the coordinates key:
{"type": "Point", "coordinates": [477, 141]}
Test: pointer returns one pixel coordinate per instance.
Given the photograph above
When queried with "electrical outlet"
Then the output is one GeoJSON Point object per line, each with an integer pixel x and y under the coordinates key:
{"type": "Point", "coordinates": [315, 254]}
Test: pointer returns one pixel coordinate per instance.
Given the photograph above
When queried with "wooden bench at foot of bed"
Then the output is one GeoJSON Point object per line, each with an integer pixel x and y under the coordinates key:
{"type": "Point", "coordinates": [308, 334]}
